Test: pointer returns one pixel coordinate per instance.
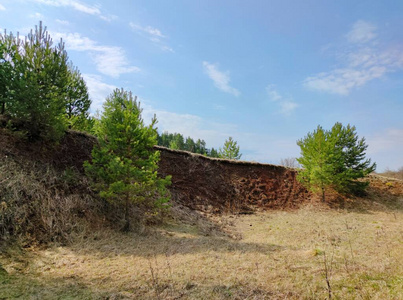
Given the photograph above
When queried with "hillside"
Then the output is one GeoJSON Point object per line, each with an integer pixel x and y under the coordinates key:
{"type": "Point", "coordinates": [237, 230]}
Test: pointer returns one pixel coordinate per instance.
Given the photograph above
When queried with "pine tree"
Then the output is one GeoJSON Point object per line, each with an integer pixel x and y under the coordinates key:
{"type": "Point", "coordinates": [40, 92]}
{"type": "Point", "coordinates": [334, 159]}
{"type": "Point", "coordinates": [124, 165]}
{"type": "Point", "coordinates": [230, 150]}
{"type": "Point", "coordinates": [77, 100]}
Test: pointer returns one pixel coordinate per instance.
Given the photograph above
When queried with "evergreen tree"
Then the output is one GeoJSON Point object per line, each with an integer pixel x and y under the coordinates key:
{"type": "Point", "coordinates": [77, 100]}
{"type": "Point", "coordinates": [213, 153]}
{"type": "Point", "coordinates": [334, 159]}
{"type": "Point", "coordinates": [230, 150]}
{"type": "Point", "coordinates": [124, 165]}
{"type": "Point", "coordinates": [190, 145]}
{"type": "Point", "coordinates": [39, 92]}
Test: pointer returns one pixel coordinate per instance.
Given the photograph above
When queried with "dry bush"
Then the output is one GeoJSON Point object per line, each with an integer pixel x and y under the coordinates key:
{"type": "Point", "coordinates": [41, 204]}
{"type": "Point", "coordinates": [393, 174]}
{"type": "Point", "coordinates": [289, 162]}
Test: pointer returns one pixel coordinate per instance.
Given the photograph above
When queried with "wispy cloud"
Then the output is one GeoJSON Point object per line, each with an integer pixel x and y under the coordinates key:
{"type": "Point", "coordinates": [98, 90]}
{"type": "Point", "coordinates": [152, 34]}
{"type": "Point", "coordinates": [36, 16]}
{"type": "Point", "coordinates": [155, 32]}
{"type": "Point", "coordinates": [109, 60]}
{"type": "Point", "coordinates": [362, 32]}
{"type": "Point", "coordinates": [342, 81]}
{"type": "Point", "coordinates": [221, 79]}
{"type": "Point", "coordinates": [362, 62]}
{"type": "Point", "coordinates": [286, 104]}
{"type": "Point", "coordinates": [79, 6]}
{"type": "Point", "coordinates": [63, 22]}
{"type": "Point", "coordinates": [2, 8]}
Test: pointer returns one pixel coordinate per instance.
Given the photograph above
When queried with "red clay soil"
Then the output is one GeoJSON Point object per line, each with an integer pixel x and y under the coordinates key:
{"type": "Point", "coordinates": [218, 185]}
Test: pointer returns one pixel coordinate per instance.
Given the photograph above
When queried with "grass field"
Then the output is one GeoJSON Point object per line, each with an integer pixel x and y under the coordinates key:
{"type": "Point", "coordinates": [311, 253]}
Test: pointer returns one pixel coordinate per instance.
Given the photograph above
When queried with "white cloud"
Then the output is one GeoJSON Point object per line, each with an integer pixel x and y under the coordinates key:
{"type": "Point", "coordinates": [153, 34]}
{"type": "Point", "coordinates": [98, 90]}
{"type": "Point", "coordinates": [92, 10]}
{"type": "Point", "coordinates": [2, 8]}
{"type": "Point", "coordinates": [364, 62]}
{"type": "Point", "coordinates": [221, 79]}
{"type": "Point", "coordinates": [287, 105]}
{"type": "Point", "coordinates": [77, 5]}
{"type": "Point", "coordinates": [273, 94]}
{"type": "Point", "coordinates": [342, 81]}
{"type": "Point", "coordinates": [110, 60]}
{"type": "Point", "coordinates": [36, 16]}
{"type": "Point", "coordinates": [167, 48]}
{"type": "Point", "coordinates": [361, 32]}
{"type": "Point", "coordinates": [63, 22]}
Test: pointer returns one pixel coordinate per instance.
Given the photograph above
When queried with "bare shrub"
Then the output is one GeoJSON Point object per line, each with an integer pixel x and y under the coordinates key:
{"type": "Point", "coordinates": [289, 162]}
{"type": "Point", "coordinates": [398, 174]}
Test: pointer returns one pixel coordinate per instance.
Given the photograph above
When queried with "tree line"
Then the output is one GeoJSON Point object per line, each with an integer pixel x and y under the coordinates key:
{"type": "Point", "coordinates": [230, 149]}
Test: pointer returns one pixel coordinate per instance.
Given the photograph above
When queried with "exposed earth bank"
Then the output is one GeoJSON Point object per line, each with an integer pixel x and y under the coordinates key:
{"type": "Point", "coordinates": [198, 182]}
{"type": "Point", "coordinates": [219, 185]}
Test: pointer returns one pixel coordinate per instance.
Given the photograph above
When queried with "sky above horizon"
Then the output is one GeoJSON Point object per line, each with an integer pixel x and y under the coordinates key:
{"type": "Point", "coordinates": [264, 72]}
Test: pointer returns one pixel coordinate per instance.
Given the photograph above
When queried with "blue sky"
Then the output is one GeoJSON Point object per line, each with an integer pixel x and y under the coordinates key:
{"type": "Point", "coordinates": [264, 72]}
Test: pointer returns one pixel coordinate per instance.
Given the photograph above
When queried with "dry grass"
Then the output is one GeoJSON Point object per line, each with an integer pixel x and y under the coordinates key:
{"type": "Point", "coordinates": [271, 255]}
{"type": "Point", "coordinates": [398, 174]}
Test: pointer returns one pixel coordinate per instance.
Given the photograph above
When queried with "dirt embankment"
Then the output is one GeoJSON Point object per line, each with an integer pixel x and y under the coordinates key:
{"type": "Point", "coordinates": [198, 182]}
{"type": "Point", "coordinates": [219, 185]}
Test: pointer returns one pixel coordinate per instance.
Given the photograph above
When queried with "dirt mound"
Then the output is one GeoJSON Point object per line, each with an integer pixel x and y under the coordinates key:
{"type": "Point", "coordinates": [219, 185]}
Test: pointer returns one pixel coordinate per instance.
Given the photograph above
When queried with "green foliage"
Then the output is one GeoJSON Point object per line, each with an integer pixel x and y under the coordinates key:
{"type": "Point", "coordinates": [39, 91]}
{"type": "Point", "coordinates": [230, 150]}
{"type": "Point", "coordinates": [77, 100]}
{"type": "Point", "coordinates": [178, 142]}
{"type": "Point", "coordinates": [334, 159]}
{"type": "Point", "coordinates": [213, 153]}
{"type": "Point", "coordinates": [124, 165]}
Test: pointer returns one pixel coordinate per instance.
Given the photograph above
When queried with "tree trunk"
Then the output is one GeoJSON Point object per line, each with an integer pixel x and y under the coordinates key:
{"type": "Point", "coordinates": [323, 194]}
{"type": "Point", "coordinates": [126, 227]}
